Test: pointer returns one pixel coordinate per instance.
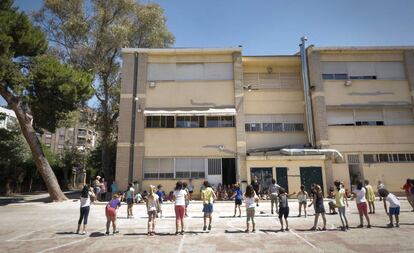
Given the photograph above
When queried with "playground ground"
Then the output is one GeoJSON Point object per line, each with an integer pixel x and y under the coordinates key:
{"type": "Point", "coordinates": [50, 227]}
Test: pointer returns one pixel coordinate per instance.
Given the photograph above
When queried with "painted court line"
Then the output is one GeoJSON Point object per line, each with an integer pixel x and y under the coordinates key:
{"type": "Point", "coordinates": [303, 239]}
{"type": "Point", "coordinates": [34, 231]}
{"type": "Point", "coordinates": [180, 246]}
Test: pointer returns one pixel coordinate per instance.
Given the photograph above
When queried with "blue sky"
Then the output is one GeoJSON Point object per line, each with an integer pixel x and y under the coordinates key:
{"type": "Point", "coordinates": [275, 26]}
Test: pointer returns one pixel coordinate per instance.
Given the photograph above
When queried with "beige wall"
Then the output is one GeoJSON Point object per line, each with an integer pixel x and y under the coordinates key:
{"type": "Point", "coordinates": [393, 175]}
{"type": "Point", "coordinates": [266, 140]}
{"type": "Point", "coordinates": [366, 92]}
{"type": "Point", "coordinates": [189, 141]}
{"type": "Point", "coordinates": [372, 138]}
{"type": "Point", "coordinates": [361, 56]}
{"type": "Point", "coordinates": [186, 58]}
{"type": "Point", "coordinates": [340, 171]}
{"type": "Point", "coordinates": [169, 185]}
{"type": "Point", "coordinates": [292, 163]}
{"type": "Point", "coordinates": [276, 101]}
{"type": "Point", "coordinates": [191, 94]}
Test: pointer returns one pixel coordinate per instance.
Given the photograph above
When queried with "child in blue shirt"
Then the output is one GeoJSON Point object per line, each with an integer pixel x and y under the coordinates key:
{"type": "Point", "coordinates": [161, 195]}
{"type": "Point", "coordinates": [238, 196]}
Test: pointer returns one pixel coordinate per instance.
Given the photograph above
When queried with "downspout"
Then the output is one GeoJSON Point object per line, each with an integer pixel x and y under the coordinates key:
{"type": "Point", "coordinates": [306, 92]}
{"type": "Point", "coordinates": [133, 118]}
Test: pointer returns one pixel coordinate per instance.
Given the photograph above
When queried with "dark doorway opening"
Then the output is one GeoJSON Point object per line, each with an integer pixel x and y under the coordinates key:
{"type": "Point", "coordinates": [228, 171]}
{"type": "Point", "coordinates": [311, 175]}
{"type": "Point", "coordinates": [282, 177]}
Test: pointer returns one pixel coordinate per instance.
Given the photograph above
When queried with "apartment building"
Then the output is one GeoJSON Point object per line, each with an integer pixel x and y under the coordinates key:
{"type": "Point", "coordinates": [81, 135]}
{"type": "Point", "coordinates": [211, 113]}
{"type": "Point", "coordinates": [8, 118]}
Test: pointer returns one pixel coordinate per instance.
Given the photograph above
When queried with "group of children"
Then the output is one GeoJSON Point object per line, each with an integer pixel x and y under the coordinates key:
{"type": "Point", "coordinates": [363, 194]}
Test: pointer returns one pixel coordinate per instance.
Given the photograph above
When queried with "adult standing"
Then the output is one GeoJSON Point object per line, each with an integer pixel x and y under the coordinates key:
{"type": "Point", "coordinates": [256, 188]}
{"type": "Point", "coordinates": [408, 189]}
{"type": "Point", "coordinates": [97, 187]}
{"type": "Point", "coordinates": [104, 189]}
{"type": "Point", "coordinates": [273, 191]}
{"type": "Point", "coordinates": [85, 203]}
{"type": "Point", "coordinates": [179, 197]}
{"type": "Point", "coordinates": [208, 197]}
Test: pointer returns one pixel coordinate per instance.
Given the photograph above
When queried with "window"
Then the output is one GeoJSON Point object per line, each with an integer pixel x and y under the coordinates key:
{"type": "Point", "coordinates": [160, 121]}
{"type": "Point", "coordinates": [369, 123]}
{"type": "Point", "coordinates": [353, 159]}
{"type": "Point", "coordinates": [274, 127]}
{"type": "Point", "coordinates": [370, 158]}
{"type": "Point", "coordinates": [337, 76]}
{"type": "Point", "coordinates": [151, 168]}
{"type": "Point", "coordinates": [220, 121]}
{"type": "Point", "coordinates": [277, 127]}
{"type": "Point", "coordinates": [363, 77]}
{"type": "Point", "coordinates": [190, 121]}
{"type": "Point", "coordinates": [166, 169]}
{"type": "Point", "coordinates": [48, 136]}
{"type": "Point", "coordinates": [388, 158]}
{"type": "Point", "coordinates": [383, 158]}
{"type": "Point", "coordinates": [256, 127]}
{"type": "Point", "coordinates": [267, 127]}
{"type": "Point", "coordinates": [214, 166]}
{"type": "Point", "coordinates": [402, 158]}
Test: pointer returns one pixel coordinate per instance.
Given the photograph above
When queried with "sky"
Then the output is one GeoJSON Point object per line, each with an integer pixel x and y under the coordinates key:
{"type": "Point", "coordinates": [266, 27]}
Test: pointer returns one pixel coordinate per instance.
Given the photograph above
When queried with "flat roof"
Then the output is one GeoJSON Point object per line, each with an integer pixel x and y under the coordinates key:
{"type": "Point", "coordinates": [184, 50]}
{"type": "Point", "coordinates": [363, 48]}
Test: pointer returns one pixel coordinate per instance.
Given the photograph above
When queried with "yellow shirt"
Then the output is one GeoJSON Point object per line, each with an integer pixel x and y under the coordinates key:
{"type": "Point", "coordinates": [339, 197]}
{"type": "Point", "coordinates": [207, 195]}
{"type": "Point", "coordinates": [370, 195]}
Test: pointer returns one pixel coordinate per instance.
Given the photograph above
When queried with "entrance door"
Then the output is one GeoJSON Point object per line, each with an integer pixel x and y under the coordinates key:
{"type": "Point", "coordinates": [264, 177]}
{"type": "Point", "coordinates": [311, 175]}
{"type": "Point", "coordinates": [229, 171]}
{"type": "Point", "coordinates": [282, 177]}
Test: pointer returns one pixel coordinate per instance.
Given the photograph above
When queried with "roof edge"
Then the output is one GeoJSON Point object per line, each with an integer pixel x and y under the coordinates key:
{"type": "Point", "coordinates": [181, 50]}
{"type": "Point", "coordinates": [364, 48]}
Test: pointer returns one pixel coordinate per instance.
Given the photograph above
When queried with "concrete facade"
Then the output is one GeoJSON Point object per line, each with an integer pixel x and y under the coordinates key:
{"type": "Point", "coordinates": [217, 115]}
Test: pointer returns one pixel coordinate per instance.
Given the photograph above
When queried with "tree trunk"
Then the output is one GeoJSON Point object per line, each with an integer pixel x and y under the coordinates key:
{"type": "Point", "coordinates": [39, 158]}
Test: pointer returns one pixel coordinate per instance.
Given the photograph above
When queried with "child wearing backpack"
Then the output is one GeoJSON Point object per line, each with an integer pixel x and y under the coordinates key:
{"type": "Point", "coordinates": [394, 209]}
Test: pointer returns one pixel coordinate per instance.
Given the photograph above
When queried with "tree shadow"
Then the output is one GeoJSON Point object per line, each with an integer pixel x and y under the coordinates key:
{"type": "Point", "coordinates": [71, 195]}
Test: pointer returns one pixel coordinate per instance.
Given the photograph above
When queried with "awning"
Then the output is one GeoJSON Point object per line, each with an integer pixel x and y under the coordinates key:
{"type": "Point", "coordinates": [192, 112]}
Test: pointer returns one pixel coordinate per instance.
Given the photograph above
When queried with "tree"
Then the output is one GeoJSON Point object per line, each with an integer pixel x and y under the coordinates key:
{"type": "Point", "coordinates": [34, 83]}
{"type": "Point", "coordinates": [90, 35]}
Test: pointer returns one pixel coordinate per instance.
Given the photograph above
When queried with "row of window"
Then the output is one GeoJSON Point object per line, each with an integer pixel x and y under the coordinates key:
{"type": "Point", "coordinates": [274, 127]}
{"type": "Point", "coordinates": [181, 168]}
{"type": "Point", "coordinates": [189, 121]}
{"type": "Point", "coordinates": [360, 123]}
{"type": "Point", "coordinates": [342, 76]}
{"type": "Point", "coordinates": [388, 158]}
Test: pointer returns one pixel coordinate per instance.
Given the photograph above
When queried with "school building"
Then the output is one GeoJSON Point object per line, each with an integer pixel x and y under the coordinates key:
{"type": "Point", "coordinates": [213, 114]}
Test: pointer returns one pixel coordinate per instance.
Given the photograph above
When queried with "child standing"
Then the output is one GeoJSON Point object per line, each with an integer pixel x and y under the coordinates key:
{"type": "Point", "coordinates": [238, 196]}
{"type": "Point", "coordinates": [273, 191]}
{"type": "Point", "coordinates": [283, 208]}
{"type": "Point", "coordinates": [208, 197]}
{"type": "Point", "coordinates": [161, 195]}
{"type": "Point", "coordinates": [179, 197]}
{"type": "Point", "coordinates": [317, 203]}
{"type": "Point", "coordinates": [130, 200]}
{"type": "Point", "coordinates": [85, 203]}
{"type": "Point", "coordinates": [370, 196]}
{"type": "Point", "coordinates": [187, 200]}
{"type": "Point", "coordinates": [250, 200]}
{"type": "Point", "coordinates": [380, 185]}
{"type": "Point", "coordinates": [361, 202]}
{"type": "Point", "coordinates": [394, 206]}
{"type": "Point", "coordinates": [190, 189]}
{"type": "Point", "coordinates": [302, 199]}
{"type": "Point", "coordinates": [153, 205]}
{"type": "Point", "coordinates": [341, 199]}
{"type": "Point", "coordinates": [110, 212]}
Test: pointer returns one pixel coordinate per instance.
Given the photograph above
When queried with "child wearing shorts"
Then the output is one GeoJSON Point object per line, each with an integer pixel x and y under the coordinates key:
{"type": "Point", "coordinates": [238, 196]}
{"type": "Point", "coordinates": [208, 197]}
{"type": "Point", "coordinates": [250, 199]}
{"type": "Point", "coordinates": [394, 209]}
{"type": "Point", "coordinates": [153, 205]}
{"type": "Point", "coordinates": [361, 202]}
{"type": "Point", "coordinates": [179, 197]}
{"type": "Point", "coordinates": [370, 196]}
{"type": "Point", "coordinates": [110, 212]}
{"type": "Point", "coordinates": [303, 200]}
{"type": "Point", "coordinates": [283, 208]}
{"type": "Point", "coordinates": [317, 203]}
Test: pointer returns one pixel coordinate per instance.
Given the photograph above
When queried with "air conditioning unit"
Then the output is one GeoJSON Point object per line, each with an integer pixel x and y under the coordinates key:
{"type": "Point", "coordinates": [348, 83]}
{"type": "Point", "coordinates": [152, 84]}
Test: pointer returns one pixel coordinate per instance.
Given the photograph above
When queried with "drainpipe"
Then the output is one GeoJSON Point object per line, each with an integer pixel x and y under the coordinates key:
{"type": "Point", "coordinates": [306, 91]}
{"type": "Point", "coordinates": [133, 117]}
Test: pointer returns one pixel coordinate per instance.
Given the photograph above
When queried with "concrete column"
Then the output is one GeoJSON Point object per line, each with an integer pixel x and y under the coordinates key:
{"type": "Point", "coordinates": [318, 101]}
{"type": "Point", "coordinates": [409, 71]}
{"type": "Point", "coordinates": [240, 119]}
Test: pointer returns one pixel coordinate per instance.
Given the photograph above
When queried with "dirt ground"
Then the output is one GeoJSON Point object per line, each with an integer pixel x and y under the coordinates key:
{"type": "Point", "coordinates": [50, 227]}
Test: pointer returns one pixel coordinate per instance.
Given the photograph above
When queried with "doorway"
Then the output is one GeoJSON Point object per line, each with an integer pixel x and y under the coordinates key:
{"type": "Point", "coordinates": [264, 177]}
{"type": "Point", "coordinates": [282, 177]}
{"type": "Point", "coordinates": [311, 175]}
{"type": "Point", "coordinates": [228, 171]}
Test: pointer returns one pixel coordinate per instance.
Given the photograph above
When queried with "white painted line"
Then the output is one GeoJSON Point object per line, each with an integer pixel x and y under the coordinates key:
{"type": "Point", "coordinates": [303, 239]}
{"type": "Point", "coordinates": [180, 246]}
{"type": "Point", "coordinates": [34, 231]}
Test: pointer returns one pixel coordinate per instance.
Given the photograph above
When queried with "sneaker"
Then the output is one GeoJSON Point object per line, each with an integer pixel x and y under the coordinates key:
{"type": "Point", "coordinates": [397, 225]}
{"type": "Point", "coordinates": [239, 215]}
{"type": "Point", "coordinates": [324, 229]}
{"type": "Point", "coordinates": [343, 229]}
{"type": "Point", "coordinates": [369, 226]}
{"type": "Point", "coordinates": [204, 228]}
{"type": "Point", "coordinates": [287, 229]}
{"type": "Point", "coordinates": [272, 212]}
{"type": "Point", "coordinates": [282, 230]}
{"type": "Point", "coordinates": [116, 232]}
{"type": "Point", "coordinates": [257, 204]}
{"type": "Point", "coordinates": [209, 227]}
{"type": "Point", "coordinates": [254, 231]}
{"type": "Point", "coordinates": [312, 229]}
{"type": "Point", "coordinates": [107, 233]}
{"type": "Point", "coordinates": [247, 231]}
{"type": "Point", "coordinates": [176, 233]}
{"type": "Point", "coordinates": [298, 215]}
{"type": "Point", "coordinates": [83, 233]}
{"type": "Point", "coordinates": [347, 227]}
{"type": "Point", "coordinates": [360, 226]}
{"type": "Point", "coordinates": [390, 225]}
{"type": "Point", "coordinates": [182, 232]}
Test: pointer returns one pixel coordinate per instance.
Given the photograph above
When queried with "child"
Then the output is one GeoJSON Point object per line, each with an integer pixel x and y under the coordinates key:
{"type": "Point", "coordinates": [380, 185]}
{"type": "Point", "coordinates": [161, 195]}
{"type": "Point", "coordinates": [153, 205]}
{"type": "Point", "coordinates": [238, 196]}
{"type": "Point", "coordinates": [250, 200]}
{"type": "Point", "coordinates": [302, 199]}
{"type": "Point", "coordinates": [85, 203]}
{"type": "Point", "coordinates": [187, 200]}
{"type": "Point", "coordinates": [110, 212]}
{"type": "Point", "coordinates": [341, 199]}
{"type": "Point", "coordinates": [283, 208]}
{"type": "Point", "coordinates": [190, 189]}
{"type": "Point", "coordinates": [317, 203]}
{"type": "Point", "coordinates": [274, 189]}
{"type": "Point", "coordinates": [394, 206]}
{"type": "Point", "coordinates": [130, 200]}
{"type": "Point", "coordinates": [208, 197]}
{"type": "Point", "coordinates": [361, 202]}
{"type": "Point", "coordinates": [370, 196]}
{"type": "Point", "coordinates": [179, 196]}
